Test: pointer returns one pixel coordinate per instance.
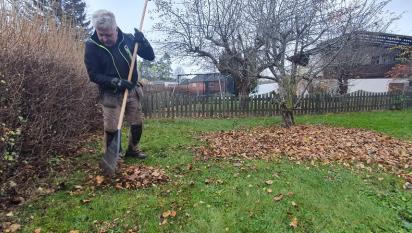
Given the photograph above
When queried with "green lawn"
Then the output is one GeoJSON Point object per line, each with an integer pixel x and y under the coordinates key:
{"type": "Point", "coordinates": [221, 196]}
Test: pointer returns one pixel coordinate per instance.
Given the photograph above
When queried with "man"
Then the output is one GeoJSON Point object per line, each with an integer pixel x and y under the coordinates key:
{"type": "Point", "coordinates": [108, 55]}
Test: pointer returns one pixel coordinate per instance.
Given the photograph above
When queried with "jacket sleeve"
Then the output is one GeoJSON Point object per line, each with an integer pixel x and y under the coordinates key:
{"type": "Point", "coordinates": [93, 68]}
{"type": "Point", "coordinates": [145, 50]}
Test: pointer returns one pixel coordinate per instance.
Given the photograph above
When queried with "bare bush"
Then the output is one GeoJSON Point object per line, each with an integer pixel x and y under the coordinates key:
{"type": "Point", "coordinates": [46, 101]}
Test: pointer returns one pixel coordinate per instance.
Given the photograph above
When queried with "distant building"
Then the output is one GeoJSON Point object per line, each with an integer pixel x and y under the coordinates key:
{"type": "Point", "coordinates": [208, 84]}
{"type": "Point", "coordinates": [369, 57]}
{"type": "Point", "coordinates": [157, 86]}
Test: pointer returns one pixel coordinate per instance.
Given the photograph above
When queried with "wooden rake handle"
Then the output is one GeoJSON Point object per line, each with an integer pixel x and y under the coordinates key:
{"type": "Point", "coordinates": [129, 77]}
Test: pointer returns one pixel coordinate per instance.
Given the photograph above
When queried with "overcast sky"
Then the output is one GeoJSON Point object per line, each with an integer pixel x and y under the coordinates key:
{"type": "Point", "coordinates": [128, 13]}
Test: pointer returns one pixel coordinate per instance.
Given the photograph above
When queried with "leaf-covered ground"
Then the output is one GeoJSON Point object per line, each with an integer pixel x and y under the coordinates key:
{"type": "Point", "coordinates": [130, 177]}
{"type": "Point", "coordinates": [175, 191]}
{"type": "Point", "coordinates": [358, 147]}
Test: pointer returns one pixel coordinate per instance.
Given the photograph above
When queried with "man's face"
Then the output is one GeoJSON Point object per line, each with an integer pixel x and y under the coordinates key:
{"type": "Point", "coordinates": [108, 36]}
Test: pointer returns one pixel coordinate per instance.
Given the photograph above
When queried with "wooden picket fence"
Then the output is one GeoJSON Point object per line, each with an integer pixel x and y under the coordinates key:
{"type": "Point", "coordinates": [172, 105]}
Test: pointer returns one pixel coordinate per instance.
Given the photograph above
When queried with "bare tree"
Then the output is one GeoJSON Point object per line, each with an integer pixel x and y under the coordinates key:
{"type": "Point", "coordinates": [319, 29]}
{"type": "Point", "coordinates": [217, 31]}
{"type": "Point", "coordinates": [243, 38]}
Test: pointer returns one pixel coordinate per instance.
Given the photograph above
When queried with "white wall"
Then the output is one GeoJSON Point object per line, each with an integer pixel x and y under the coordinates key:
{"type": "Point", "coordinates": [264, 88]}
{"type": "Point", "coordinates": [371, 85]}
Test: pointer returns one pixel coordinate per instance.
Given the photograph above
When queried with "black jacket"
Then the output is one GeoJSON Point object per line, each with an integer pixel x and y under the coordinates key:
{"type": "Point", "coordinates": [104, 63]}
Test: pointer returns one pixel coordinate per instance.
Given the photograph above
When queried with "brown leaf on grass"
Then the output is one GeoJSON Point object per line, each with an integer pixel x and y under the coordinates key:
{"type": "Point", "coordinates": [13, 228]}
{"type": "Point", "coordinates": [269, 182]}
{"type": "Point", "coordinates": [166, 214]}
{"type": "Point", "coordinates": [294, 223]}
{"type": "Point", "coordinates": [37, 230]}
{"type": "Point", "coordinates": [173, 213]}
{"type": "Point", "coordinates": [85, 201]}
{"type": "Point", "coordinates": [407, 186]}
{"type": "Point", "coordinates": [74, 231]}
{"type": "Point", "coordinates": [163, 221]}
{"type": "Point", "coordinates": [278, 197]}
{"type": "Point", "coordinates": [99, 180]}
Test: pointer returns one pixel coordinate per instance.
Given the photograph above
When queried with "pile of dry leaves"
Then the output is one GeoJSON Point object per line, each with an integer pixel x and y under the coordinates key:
{"type": "Point", "coordinates": [131, 177]}
{"type": "Point", "coordinates": [314, 143]}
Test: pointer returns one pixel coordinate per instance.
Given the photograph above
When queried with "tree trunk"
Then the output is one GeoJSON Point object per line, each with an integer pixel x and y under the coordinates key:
{"type": "Point", "coordinates": [243, 100]}
{"type": "Point", "coordinates": [343, 85]}
{"type": "Point", "coordinates": [287, 116]}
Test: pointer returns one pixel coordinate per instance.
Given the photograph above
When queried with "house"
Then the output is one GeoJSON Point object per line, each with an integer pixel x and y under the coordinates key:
{"type": "Point", "coordinates": [365, 62]}
{"type": "Point", "coordinates": [157, 86]}
{"type": "Point", "coordinates": [208, 84]}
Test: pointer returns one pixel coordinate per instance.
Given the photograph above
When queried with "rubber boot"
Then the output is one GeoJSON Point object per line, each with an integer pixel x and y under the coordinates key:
{"type": "Point", "coordinates": [134, 139]}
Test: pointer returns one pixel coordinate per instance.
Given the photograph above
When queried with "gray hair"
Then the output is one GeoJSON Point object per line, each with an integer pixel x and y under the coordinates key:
{"type": "Point", "coordinates": [103, 19]}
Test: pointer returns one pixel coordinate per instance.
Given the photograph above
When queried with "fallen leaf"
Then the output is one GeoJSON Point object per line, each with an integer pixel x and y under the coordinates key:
{"type": "Point", "coordinates": [294, 223]}
{"type": "Point", "coordinates": [74, 231]}
{"type": "Point", "coordinates": [278, 197]}
{"type": "Point", "coordinates": [99, 180]}
{"type": "Point", "coordinates": [85, 201]}
{"type": "Point", "coordinates": [173, 213]}
{"type": "Point", "coordinates": [269, 182]}
{"type": "Point", "coordinates": [269, 190]}
{"type": "Point", "coordinates": [163, 222]}
{"type": "Point", "coordinates": [294, 204]}
{"type": "Point", "coordinates": [38, 230]}
{"type": "Point", "coordinates": [407, 186]}
{"type": "Point", "coordinates": [156, 174]}
{"type": "Point", "coordinates": [166, 214]}
{"type": "Point", "coordinates": [13, 228]}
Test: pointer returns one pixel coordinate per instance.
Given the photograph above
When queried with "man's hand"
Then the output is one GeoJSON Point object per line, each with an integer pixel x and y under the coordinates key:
{"type": "Point", "coordinates": [139, 37]}
{"type": "Point", "coordinates": [122, 84]}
